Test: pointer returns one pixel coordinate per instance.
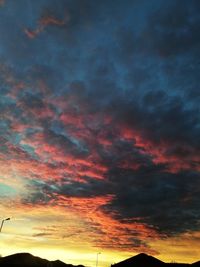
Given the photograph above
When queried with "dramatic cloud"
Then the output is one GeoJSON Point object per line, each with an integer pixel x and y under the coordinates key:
{"type": "Point", "coordinates": [99, 120]}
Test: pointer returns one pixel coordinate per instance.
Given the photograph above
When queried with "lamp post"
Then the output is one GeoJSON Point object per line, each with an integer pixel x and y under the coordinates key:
{"type": "Point", "coordinates": [97, 258]}
{"type": "Point", "coordinates": [7, 219]}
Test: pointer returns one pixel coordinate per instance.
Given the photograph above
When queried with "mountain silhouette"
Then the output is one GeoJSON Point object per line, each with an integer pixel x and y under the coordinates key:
{"type": "Point", "coordinates": [28, 260]}
{"type": "Point", "coordinates": [140, 260]}
{"type": "Point", "coordinates": [144, 260]}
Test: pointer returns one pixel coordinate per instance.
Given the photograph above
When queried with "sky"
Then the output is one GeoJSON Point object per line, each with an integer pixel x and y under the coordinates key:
{"type": "Point", "coordinates": [100, 129]}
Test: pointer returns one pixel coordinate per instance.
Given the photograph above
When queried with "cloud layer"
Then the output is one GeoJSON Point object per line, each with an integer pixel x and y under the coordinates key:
{"type": "Point", "coordinates": [99, 107]}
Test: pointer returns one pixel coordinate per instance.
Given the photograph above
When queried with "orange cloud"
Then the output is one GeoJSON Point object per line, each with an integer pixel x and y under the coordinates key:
{"type": "Point", "coordinates": [106, 231]}
{"type": "Point", "coordinates": [159, 151]}
{"type": "Point", "coordinates": [45, 21]}
{"type": "Point", "coordinates": [51, 20]}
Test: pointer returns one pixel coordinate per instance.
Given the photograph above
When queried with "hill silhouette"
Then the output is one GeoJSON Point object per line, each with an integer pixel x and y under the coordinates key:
{"type": "Point", "coordinates": [196, 264]}
{"type": "Point", "coordinates": [28, 260]}
{"type": "Point", "coordinates": [140, 260]}
{"type": "Point", "coordinates": [144, 260]}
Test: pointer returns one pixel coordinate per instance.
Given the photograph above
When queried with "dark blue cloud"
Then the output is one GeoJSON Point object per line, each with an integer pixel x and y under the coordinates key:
{"type": "Point", "coordinates": [135, 63]}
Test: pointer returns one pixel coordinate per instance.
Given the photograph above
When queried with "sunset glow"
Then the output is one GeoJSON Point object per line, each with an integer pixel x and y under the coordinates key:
{"type": "Point", "coordinates": [100, 129]}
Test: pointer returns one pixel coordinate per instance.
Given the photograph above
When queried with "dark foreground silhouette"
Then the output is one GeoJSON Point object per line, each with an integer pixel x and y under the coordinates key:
{"type": "Point", "coordinates": [144, 260]}
{"type": "Point", "coordinates": [28, 260]}
{"type": "Point", "coordinates": [140, 260]}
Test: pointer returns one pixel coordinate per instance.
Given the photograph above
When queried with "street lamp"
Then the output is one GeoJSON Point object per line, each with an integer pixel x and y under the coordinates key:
{"type": "Point", "coordinates": [7, 219]}
{"type": "Point", "coordinates": [97, 258]}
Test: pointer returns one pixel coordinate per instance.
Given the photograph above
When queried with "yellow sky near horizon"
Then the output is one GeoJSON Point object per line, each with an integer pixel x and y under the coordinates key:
{"type": "Point", "coordinates": [55, 233]}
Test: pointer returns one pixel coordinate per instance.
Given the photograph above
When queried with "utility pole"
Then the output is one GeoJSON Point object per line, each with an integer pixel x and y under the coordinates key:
{"type": "Point", "coordinates": [97, 259]}
{"type": "Point", "coordinates": [7, 219]}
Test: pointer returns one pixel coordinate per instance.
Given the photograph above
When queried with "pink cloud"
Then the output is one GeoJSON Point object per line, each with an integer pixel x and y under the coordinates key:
{"type": "Point", "coordinates": [44, 22]}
